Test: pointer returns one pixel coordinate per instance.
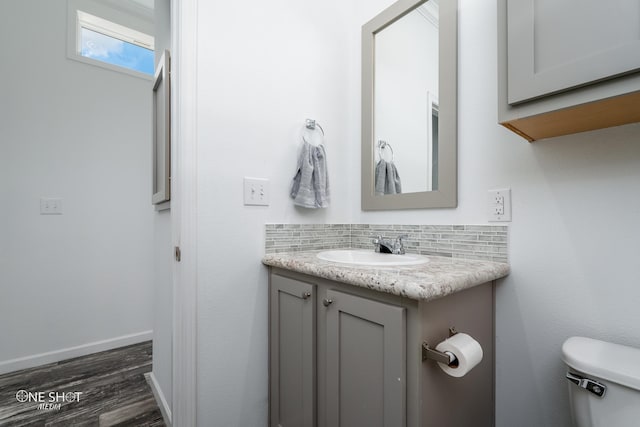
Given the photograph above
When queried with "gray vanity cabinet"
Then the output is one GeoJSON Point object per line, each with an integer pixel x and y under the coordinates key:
{"type": "Point", "coordinates": [365, 362]}
{"type": "Point", "coordinates": [359, 361]}
{"type": "Point", "coordinates": [568, 66]}
{"type": "Point", "coordinates": [346, 356]}
{"type": "Point", "coordinates": [292, 352]}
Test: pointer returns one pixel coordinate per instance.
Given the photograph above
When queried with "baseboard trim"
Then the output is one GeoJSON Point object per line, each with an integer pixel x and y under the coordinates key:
{"type": "Point", "coordinates": [159, 396]}
{"type": "Point", "coordinates": [32, 361]}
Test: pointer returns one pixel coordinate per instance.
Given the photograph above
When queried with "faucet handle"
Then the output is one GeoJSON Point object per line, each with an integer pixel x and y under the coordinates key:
{"type": "Point", "coordinates": [398, 245]}
{"type": "Point", "coordinates": [377, 239]}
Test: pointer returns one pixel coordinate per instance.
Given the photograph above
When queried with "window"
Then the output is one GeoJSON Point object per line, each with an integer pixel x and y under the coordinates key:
{"type": "Point", "coordinates": [106, 42]}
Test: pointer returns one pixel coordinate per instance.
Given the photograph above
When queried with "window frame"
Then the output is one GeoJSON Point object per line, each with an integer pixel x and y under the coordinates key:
{"type": "Point", "coordinates": [110, 22]}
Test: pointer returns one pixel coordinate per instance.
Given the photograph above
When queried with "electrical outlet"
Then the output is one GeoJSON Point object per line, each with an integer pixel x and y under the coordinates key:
{"type": "Point", "coordinates": [500, 205]}
{"type": "Point", "coordinates": [49, 206]}
{"type": "Point", "coordinates": [256, 191]}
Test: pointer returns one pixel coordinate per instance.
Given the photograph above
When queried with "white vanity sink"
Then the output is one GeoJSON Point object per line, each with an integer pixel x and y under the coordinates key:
{"type": "Point", "coordinates": [361, 257]}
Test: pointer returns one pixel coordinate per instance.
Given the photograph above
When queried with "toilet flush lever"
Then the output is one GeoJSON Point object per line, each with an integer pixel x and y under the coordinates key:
{"type": "Point", "coordinates": [588, 384]}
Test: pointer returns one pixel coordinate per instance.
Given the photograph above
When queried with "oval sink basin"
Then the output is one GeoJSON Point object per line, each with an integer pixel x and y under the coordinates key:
{"type": "Point", "coordinates": [360, 257]}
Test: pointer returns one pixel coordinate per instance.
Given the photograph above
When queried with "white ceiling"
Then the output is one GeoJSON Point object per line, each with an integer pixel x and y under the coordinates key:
{"type": "Point", "coordinates": [140, 8]}
{"type": "Point", "coordinates": [149, 4]}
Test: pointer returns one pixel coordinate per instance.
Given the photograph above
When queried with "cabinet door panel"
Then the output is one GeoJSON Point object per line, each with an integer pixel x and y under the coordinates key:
{"type": "Point", "coordinates": [366, 362]}
{"type": "Point", "coordinates": [555, 46]}
{"type": "Point", "coordinates": [292, 353]}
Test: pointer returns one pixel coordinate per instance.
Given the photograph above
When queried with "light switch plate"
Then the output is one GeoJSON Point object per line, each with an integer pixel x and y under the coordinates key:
{"type": "Point", "coordinates": [499, 205]}
{"type": "Point", "coordinates": [256, 191]}
{"type": "Point", "coordinates": [50, 206]}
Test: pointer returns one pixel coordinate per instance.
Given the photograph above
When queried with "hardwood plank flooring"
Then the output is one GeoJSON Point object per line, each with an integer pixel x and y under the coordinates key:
{"type": "Point", "coordinates": [114, 392]}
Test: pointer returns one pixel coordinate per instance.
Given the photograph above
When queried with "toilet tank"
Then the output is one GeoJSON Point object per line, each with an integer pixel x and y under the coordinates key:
{"type": "Point", "coordinates": [604, 382]}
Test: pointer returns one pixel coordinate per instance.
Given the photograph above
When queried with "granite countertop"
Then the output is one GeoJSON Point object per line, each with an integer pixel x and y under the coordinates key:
{"type": "Point", "coordinates": [437, 278]}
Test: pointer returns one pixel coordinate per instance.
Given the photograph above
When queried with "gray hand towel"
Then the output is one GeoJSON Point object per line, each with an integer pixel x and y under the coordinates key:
{"type": "Point", "coordinates": [310, 186]}
{"type": "Point", "coordinates": [387, 178]}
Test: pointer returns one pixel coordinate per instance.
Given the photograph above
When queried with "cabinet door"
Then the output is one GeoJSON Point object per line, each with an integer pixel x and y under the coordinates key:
{"type": "Point", "coordinates": [292, 353]}
{"type": "Point", "coordinates": [557, 45]}
{"type": "Point", "coordinates": [365, 362]}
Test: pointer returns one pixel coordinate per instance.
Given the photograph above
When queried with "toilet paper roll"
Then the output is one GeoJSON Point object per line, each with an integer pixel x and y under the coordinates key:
{"type": "Point", "coordinates": [467, 350]}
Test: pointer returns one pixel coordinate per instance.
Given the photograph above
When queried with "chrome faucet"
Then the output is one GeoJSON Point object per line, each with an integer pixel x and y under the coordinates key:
{"type": "Point", "coordinates": [385, 246]}
{"type": "Point", "coordinates": [382, 245]}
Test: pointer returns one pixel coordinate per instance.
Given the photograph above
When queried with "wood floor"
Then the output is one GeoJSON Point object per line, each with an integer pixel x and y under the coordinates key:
{"type": "Point", "coordinates": [113, 386]}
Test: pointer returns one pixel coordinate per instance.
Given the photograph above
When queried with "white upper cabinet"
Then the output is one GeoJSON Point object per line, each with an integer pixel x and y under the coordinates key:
{"type": "Point", "coordinates": [558, 58]}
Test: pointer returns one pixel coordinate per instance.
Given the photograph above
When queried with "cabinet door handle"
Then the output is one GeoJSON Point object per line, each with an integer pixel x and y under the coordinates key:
{"type": "Point", "coordinates": [306, 295]}
{"type": "Point", "coordinates": [327, 302]}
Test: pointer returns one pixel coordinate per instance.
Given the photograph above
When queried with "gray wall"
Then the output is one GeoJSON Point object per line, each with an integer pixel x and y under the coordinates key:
{"type": "Point", "coordinates": [78, 132]}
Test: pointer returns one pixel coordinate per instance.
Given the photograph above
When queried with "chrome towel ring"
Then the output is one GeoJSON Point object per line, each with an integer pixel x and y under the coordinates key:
{"type": "Point", "coordinates": [312, 125]}
{"type": "Point", "coordinates": [381, 146]}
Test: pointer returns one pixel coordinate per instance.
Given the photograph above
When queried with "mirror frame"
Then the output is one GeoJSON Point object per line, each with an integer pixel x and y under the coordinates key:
{"type": "Point", "coordinates": [446, 196]}
{"type": "Point", "coordinates": [161, 174]}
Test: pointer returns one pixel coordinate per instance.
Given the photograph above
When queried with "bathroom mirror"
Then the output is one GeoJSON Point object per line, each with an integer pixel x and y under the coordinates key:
{"type": "Point", "coordinates": [409, 106]}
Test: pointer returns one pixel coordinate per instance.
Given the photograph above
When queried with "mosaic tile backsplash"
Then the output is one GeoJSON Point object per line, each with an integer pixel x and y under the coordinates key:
{"type": "Point", "coordinates": [485, 242]}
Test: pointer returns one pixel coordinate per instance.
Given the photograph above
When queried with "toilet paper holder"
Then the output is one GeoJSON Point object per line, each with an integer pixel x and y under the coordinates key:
{"type": "Point", "coordinates": [438, 356]}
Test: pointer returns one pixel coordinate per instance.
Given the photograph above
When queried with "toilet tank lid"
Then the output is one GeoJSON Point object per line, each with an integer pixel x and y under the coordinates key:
{"type": "Point", "coordinates": [614, 362]}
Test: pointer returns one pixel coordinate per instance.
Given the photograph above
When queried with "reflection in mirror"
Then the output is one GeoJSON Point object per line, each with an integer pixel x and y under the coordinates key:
{"type": "Point", "coordinates": [409, 106]}
{"type": "Point", "coordinates": [406, 103]}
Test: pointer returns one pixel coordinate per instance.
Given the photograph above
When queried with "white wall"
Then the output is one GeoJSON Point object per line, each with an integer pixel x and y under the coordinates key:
{"type": "Point", "coordinates": [163, 250]}
{"type": "Point", "coordinates": [81, 133]}
{"type": "Point", "coordinates": [264, 68]}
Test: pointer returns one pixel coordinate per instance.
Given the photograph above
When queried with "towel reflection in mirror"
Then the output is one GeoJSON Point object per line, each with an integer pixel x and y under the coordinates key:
{"type": "Point", "coordinates": [387, 179]}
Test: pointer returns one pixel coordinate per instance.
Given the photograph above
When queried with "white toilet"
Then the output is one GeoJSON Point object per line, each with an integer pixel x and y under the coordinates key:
{"type": "Point", "coordinates": [604, 383]}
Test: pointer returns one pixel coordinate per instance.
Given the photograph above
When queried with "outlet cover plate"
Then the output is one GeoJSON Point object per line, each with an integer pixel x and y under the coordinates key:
{"type": "Point", "coordinates": [50, 206]}
{"type": "Point", "coordinates": [499, 204]}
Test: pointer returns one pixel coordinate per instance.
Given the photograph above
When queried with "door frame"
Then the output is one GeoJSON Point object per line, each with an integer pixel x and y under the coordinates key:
{"type": "Point", "coordinates": [184, 208]}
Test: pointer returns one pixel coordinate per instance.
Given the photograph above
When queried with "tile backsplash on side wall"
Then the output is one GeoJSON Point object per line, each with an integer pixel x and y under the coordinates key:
{"type": "Point", "coordinates": [485, 242]}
